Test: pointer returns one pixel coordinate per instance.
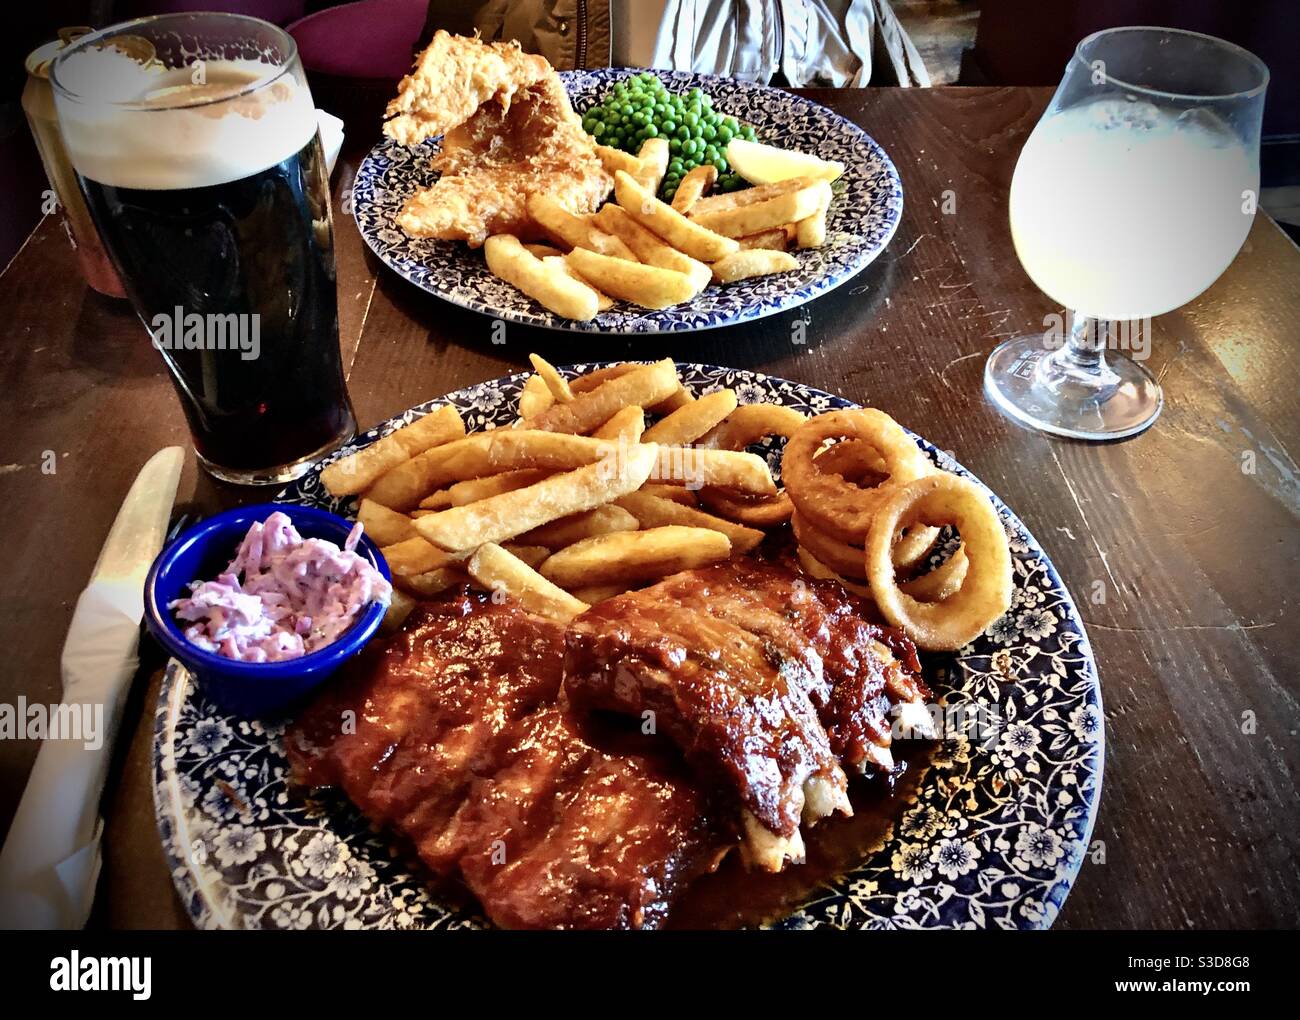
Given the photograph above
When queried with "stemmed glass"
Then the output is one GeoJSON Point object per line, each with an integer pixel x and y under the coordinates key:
{"type": "Point", "coordinates": [1132, 195]}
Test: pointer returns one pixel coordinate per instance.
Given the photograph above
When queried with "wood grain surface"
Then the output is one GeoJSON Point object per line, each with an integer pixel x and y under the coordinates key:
{"type": "Point", "coordinates": [1180, 545]}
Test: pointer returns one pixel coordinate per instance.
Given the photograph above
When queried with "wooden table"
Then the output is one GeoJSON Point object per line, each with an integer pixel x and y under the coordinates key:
{"type": "Point", "coordinates": [1180, 545]}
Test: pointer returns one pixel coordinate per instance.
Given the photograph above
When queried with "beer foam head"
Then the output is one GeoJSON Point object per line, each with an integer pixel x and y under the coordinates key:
{"type": "Point", "coordinates": [134, 125]}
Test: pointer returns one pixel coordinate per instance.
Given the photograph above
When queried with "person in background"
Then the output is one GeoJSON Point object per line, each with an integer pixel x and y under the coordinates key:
{"type": "Point", "coordinates": [800, 43]}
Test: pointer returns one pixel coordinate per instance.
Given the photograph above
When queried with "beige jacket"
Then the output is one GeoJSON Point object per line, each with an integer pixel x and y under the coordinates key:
{"type": "Point", "coordinates": [807, 42]}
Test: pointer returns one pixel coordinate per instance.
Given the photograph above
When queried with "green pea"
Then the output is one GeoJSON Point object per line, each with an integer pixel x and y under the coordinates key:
{"type": "Point", "coordinates": [668, 126]}
{"type": "Point", "coordinates": [710, 132]}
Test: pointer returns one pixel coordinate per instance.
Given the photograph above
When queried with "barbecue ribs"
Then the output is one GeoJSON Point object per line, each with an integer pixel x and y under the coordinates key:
{"type": "Point", "coordinates": [458, 746]}
{"type": "Point", "coordinates": [770, 682]}
{"type": "Point", "coordinates": [508, 130]}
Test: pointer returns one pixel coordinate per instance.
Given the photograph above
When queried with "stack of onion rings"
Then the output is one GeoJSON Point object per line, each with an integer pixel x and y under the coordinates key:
{"type": "Point", "coordinates": [830, 502]}
{"type": "Point", "coordinates": [853, 524]}
{"type": "Point", "coordinates": [856, 461]}
{"type": "Point", "coordinates": [835, 488]}
{"type": "Point", "coordinates": [984, 592]}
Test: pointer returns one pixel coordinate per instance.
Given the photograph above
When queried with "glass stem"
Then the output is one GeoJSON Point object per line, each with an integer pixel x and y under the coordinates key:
{"type": "Point", "coordinates": [1079, 365]}
{"type": "Point", "coordinates": [1086, 342]}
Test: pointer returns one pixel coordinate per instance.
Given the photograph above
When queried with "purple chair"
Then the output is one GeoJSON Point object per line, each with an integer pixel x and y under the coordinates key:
{"type": "Point", "coordinates": [355, 54]}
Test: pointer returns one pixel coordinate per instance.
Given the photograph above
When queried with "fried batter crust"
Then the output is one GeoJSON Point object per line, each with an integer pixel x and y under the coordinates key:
{"type": "Point", "coordinates": [508, 130]}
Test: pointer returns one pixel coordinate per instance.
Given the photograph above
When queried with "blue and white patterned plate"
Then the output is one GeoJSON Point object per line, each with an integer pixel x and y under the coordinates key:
{"type": "Point", "coordinates": [993, 837]}
{"type": "Point", "coordinates": [863, 216]}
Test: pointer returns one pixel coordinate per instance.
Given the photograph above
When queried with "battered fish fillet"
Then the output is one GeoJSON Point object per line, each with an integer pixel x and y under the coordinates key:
{"type": "Point", "coordinates": [509, 132]}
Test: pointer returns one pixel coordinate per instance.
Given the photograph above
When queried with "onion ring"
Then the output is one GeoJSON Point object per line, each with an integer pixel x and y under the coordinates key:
{"type": "Point", "coordinates": [816, 568]}
{"type": "Point", "coordinates": [913, 544]}
{"type": "Point", "coordinates": [846, 560]}
{"type": "Point", "coordinates": [854, 460]}
{"type": "Point", "coordinates": [985, 593]}
{"type": "Point", "coordinates": [746, 425]}
{"type": "Point", "coordinates": [828, 501]}
{"type": "Point", "coordinates": [942, 582]}
{"type": "Point", "coordinates": [752, 511]}
{"type": "Point", "coordinates": [819, 569]}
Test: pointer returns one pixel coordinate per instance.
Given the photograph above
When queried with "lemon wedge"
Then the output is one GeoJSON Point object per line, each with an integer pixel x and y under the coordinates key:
{"type": "Point", "coordinates": [766, 164]}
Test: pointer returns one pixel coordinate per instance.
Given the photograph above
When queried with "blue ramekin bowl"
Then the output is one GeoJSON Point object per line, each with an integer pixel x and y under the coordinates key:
{"type": "Point", "coordinates": [261, 689]}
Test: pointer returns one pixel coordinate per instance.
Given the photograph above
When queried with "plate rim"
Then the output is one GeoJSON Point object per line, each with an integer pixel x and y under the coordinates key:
{"type": "Point", "coordinates": [818, 288]}
{"type": "Point", "coordinates": [203, 904]}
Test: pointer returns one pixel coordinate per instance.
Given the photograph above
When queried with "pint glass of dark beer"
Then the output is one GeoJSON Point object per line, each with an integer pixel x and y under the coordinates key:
{"type": "Point", "coordinates": [194, 139]}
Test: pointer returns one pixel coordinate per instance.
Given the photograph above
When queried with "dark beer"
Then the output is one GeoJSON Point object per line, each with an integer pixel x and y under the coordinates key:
{"type": "Point", "coordinates": [211, 195]}
{"type": "Point", "coordinates": [248, 247]}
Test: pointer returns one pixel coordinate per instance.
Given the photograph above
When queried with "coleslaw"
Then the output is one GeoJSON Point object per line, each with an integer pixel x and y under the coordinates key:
{"type": "Point", "coordinates": [282, 596]}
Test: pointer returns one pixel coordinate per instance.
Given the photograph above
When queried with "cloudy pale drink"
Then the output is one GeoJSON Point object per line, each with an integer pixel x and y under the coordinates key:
{"type": "Point", "coordinates": [1122, 210]}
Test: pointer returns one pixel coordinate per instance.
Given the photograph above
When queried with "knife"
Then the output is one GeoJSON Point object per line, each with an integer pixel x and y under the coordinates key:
{"type": "Point", "coordinates": [51, 858]}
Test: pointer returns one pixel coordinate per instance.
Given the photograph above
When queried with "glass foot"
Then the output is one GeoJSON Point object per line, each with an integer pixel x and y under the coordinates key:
{"type": "Point", "coordinates": [1041, 385]}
